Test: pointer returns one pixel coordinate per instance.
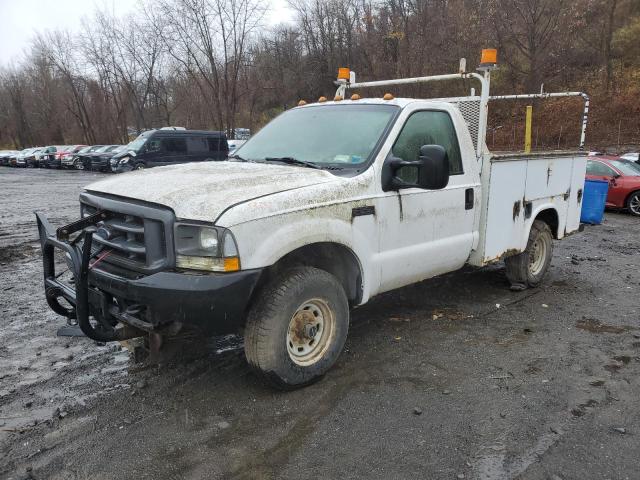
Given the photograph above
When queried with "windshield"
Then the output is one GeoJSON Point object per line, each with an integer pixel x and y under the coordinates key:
{"type": "Point", "coordinates": [329, 134]}
{"type": "Point", "coordinates": [627, 167]}
{"type": "Point", "coordinates": [104, 148]}
{"type": "Point", "coordinates": [137, 144]}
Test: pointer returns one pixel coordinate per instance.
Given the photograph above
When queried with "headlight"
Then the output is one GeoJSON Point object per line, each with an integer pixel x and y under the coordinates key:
{"type": "Point", "coordinates": [124, 160]}
{"type": "Point", "coordinates": [200, 247]}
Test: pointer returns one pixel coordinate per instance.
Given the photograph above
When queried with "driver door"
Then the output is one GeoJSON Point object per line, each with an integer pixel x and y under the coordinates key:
{"type": "Point", "coordinates": [428, 232]}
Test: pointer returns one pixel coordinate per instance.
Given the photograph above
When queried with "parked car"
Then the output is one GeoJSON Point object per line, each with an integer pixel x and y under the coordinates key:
{"type": "Point", "coordinates": [5, 155]}
{"type": "Point", "coordinates": [624, 181]}
{"type": "Point", "coordinates": [13, 158]}
{"type": "Point", "coordinates": [52, 156]}
{"type": "Point", "coordinates": [31, 158]}
{"type": "Point", "coordinates": [327, 206]}
{"type": "Point", "coordinates": [87, 158]}
{"type": "Point", "coordinates": [41, 157]}
{"type": "Point", "coordinates": [631, 156]}
{"type": "Point", "coordinates": [21, 158]}
{"type": "Point", "coordinates": [77, 161]}
{"type": "Point", "coordinates": [156, 148]}
{"type": "Point", "coordinates": [100, 158]}
{"type": "Point", "coordinates": [67, 154]}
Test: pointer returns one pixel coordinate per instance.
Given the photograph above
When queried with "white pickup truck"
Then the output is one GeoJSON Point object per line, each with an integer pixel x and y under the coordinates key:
{"type": "Point", "coordinates": [327, 206]}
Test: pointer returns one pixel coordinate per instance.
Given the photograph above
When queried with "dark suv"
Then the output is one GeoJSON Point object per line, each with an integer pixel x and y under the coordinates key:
{"type": "Point", "coordinates": [167, 147]}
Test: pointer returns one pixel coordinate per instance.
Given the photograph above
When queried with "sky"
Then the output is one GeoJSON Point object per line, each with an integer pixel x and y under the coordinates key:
{"type": "Point", "coordinates": [20, 19]}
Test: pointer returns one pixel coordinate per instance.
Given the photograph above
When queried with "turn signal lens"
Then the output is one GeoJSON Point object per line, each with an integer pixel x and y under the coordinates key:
{"type": "Point", "coordinates": [231, 264]}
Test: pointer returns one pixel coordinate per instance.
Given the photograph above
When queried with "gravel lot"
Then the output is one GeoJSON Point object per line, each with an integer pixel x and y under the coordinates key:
{"type": "Point", "coordinates": [456, 377]}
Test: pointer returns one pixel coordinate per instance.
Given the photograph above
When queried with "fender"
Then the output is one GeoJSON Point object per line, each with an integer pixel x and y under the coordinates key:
{"type": "Point", "coordinates": [276, 237]}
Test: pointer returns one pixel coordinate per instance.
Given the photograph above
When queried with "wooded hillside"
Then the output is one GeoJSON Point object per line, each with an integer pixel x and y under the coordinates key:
{"type": "Point", "coordinates": [213, 64]}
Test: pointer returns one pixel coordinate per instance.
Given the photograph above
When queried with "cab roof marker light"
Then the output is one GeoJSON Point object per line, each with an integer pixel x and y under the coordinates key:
{"type": "Point", "coordinates": [322, 99]}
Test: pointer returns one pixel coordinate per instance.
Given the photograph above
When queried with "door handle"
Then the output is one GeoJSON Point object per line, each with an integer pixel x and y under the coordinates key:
{"type": "Point", "coordinates": [468, 199]}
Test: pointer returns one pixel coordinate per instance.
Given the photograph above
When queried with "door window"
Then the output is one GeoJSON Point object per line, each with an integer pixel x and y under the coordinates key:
{"type": "Point", "coordinates": [598, 168]}
{"type": "Point", "coordinates": [153, 145]}
{"type": "Point", "coordinates": [427, 128]}
{"type": "Point", "coordinates": [174, 145]}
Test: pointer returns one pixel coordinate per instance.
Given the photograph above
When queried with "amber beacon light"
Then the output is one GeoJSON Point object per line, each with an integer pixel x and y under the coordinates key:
{"type": "Point", "coordinates": [489, 56]}
{"type": "Point", "coordinates": [343, 73]}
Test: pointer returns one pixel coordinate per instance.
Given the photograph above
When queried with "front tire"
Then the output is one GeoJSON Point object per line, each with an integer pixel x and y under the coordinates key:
{"type": "Point", "coordinates": [527, 269]}
{"type": "Point", "coordinates": [139, 166]}
{"type": "Point", "coordinates": [633, 204]}
{"type": "Point", "coordinates": [297, 328]}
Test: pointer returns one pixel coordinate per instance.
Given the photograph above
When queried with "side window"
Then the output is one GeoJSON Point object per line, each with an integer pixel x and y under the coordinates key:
{"type": "Point", "coordinates": [427, 128]}
{"type": "Point", "coordinates": [174, 145]}
{"type": "Point", "coordinates": [598, 168]}
{"type": "Point", "coordinates": [153, 145]}
{"type": "Point", "coordinates": [197, 144]}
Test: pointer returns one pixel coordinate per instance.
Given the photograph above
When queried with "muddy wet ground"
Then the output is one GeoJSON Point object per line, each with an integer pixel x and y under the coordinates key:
{"type": "Point", "coordinates": [456, 377]}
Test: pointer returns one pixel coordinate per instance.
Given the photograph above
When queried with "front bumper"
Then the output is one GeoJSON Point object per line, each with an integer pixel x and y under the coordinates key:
{"type": "Point", "coordinates": [162, 302]}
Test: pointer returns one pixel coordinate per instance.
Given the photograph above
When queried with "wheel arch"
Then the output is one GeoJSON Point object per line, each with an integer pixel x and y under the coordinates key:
{"type": "Point", "coordinates": [548, 215]}
{"type": "Point", "coordinates": [330, 256]}
{"type": "Point", "coordinates": [626, 199]}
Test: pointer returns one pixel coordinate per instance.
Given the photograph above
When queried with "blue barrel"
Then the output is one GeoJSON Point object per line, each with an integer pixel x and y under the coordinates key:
{"type": "Point", "coordinates": [593, 200]}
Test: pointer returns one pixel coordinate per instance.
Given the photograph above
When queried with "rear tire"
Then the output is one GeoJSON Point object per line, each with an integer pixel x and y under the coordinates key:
{"type": "Point", "coordinates": [297, 328]}
{"type": "Point", "coordinates": [527, 269]}
{"type": "Point", "coordinates": [633, 204]}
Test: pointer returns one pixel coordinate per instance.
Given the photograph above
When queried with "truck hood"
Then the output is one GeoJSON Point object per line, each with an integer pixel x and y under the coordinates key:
{"type": "Point", "coordinates": [202, 191]}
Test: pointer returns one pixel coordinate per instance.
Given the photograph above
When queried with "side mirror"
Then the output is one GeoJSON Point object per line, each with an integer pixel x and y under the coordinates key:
{"type": "Point", "coordinates": [432, 170]}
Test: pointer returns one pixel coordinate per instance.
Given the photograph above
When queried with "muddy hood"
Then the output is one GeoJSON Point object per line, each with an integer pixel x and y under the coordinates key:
{"type": "Point", "coordinates": [202, 191]}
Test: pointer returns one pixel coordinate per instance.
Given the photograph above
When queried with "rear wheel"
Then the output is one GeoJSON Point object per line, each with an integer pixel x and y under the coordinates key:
{"type": "Point", "coordinates": [527, 269]}
{"type": "Point", "coordinates": [633, 203]}
{"type": "Point", "coordinates": [297, 327]}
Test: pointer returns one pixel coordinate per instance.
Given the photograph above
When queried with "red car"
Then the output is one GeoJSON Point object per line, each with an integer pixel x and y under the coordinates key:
{"type": "Point", "coordinates": [624, 181]}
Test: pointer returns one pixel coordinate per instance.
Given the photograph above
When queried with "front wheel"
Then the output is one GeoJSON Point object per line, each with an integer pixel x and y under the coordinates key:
{"type": "Point", "coordinates": [633, 204]}
{"type": "Point", "coordinates": [297, 327]}
{"type": "Point", "coordinates": [527, 269]}
{"type": "Point", "coordinates": [139, 166]}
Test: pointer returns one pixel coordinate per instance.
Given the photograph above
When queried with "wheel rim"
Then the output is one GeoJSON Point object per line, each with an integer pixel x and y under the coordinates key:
{"type": "Point", "coordinates": [140, 167]}
{"type": "Point", "coordinates": [311, 330]}
{"type": "Point", "coordinates": [538, 255]}
{"type": "Point", "coordinates": [634, 204]}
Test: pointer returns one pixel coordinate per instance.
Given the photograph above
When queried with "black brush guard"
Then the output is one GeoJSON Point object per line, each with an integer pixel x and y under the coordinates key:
{"type": "Point", "coordinates": [78, 255]}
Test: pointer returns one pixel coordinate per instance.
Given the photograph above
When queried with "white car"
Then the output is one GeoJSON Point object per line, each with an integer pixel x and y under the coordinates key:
{"type": "Point", "coordinates": [632, 156]}
{"type": "Point", "coordinates": [327, 206]}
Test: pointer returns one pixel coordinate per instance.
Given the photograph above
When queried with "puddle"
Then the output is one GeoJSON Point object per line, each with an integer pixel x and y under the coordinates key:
{"type": "Point", "coordinates": [594, 326]}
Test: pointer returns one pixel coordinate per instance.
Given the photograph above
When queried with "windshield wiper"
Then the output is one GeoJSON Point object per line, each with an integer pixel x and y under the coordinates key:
{"type": "Point", "coordinates": [293, 161]}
